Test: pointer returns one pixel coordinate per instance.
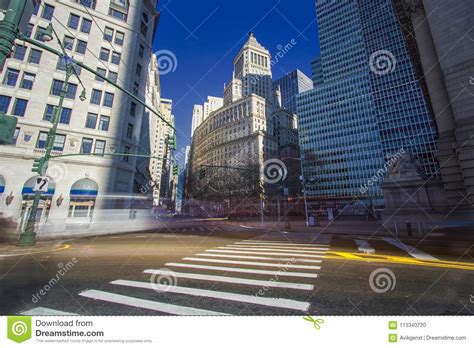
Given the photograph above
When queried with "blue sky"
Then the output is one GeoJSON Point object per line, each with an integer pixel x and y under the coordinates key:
{"type": "Point", "coordinates": [206, 35]}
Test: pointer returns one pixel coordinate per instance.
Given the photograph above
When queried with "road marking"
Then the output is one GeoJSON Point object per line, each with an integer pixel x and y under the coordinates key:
{"type": "Point", "coordinates": [281, 265]}
{"type": "Point", "coordinates": [271, 302]}
{"type": "Point", "coordinates": [232, 280]}
{"type": "Point", "coordinates": [243, 270]}
{"type": "Point", "coordinates": [364, 246]}
{"type": "Point", "coordinates": [417, 254]}
{"type": "Point", "coordinates": [146, 304]}
{"type": "Point", "coordinates": [279, 246]}
{"type": "Point", "coordinates": [262, 253]}
{"type": "Point", "coordinates": [321, 252]}
{"type": "Point", "coordinates": [45, 311]}
{"type": "Point", "coordinates": [282, 244]}
{"type": "Point", "coordinates": [260, 258]}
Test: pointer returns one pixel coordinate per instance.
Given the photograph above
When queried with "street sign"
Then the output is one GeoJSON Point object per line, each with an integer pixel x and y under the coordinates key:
{"type": "Point", "coordinates": [285, 191]}
{"type": "Point", "coordinates": [41, 184]}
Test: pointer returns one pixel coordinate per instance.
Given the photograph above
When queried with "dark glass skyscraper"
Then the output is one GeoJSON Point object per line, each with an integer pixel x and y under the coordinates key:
{"type": "Point", "coordinates": [369, 108]}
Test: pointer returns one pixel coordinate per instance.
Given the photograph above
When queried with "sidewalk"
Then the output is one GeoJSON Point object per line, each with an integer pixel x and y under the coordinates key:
{"type": "Point", "coordinates": [11, 249]}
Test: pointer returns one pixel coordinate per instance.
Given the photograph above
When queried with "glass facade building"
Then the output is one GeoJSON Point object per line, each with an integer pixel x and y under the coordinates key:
{"type": "Point", "coordinates": [367, 108]}
{"type": "Point", "coordinates": [290, 86]}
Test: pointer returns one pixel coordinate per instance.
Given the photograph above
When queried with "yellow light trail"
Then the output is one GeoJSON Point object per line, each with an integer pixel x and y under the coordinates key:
{"type": "Point", "coordinates": [339, 255]}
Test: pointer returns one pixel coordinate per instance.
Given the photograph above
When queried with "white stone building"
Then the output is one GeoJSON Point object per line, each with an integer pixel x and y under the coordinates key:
{"type": "Point", "coordinates": [243, 133]}
{"type": "Point", "coordinates": [115, 37]}
{"type": "Point", "coordinates": [201, 112]}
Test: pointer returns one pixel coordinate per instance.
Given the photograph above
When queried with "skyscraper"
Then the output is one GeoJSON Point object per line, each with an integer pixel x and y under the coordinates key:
{"type": "Point", "coordinates": [369, 108]}
{"type": "Point", "coordinates": [201, 112]}
{"type": "Point", "coordinates": [290, 86]}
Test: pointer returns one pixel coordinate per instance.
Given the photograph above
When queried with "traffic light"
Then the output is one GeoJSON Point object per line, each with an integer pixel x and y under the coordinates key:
{"type": "Point", "coordinates": [38, 165]}
{"type": "Point", "coordinates": [7, 128]}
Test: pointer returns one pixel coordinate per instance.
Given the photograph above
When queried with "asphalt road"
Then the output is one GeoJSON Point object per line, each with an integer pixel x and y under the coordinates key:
{"type": "Point", "coordinates": [199, 269]}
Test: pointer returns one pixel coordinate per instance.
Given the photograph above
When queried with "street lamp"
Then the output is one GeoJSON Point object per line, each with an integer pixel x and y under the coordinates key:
{"type": "Point", "coordinates": [28, 236]}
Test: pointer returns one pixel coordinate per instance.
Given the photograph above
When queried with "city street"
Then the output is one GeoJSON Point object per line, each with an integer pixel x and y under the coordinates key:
{"type": "Point", "coordinates": [202, 268]}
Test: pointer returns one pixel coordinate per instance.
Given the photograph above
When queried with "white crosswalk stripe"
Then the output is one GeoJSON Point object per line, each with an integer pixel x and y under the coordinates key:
{"type": "Point", "coordinates": [281, 244]}
{"type": "Point", "coordinates": [241, 270]}
{"type": "Point", "coordinates": [287, 247]}
{"type": "Point", "coordinates": [232, 280]}
{"type": "Point", "coordinates": [412, 251]}
{"type": "Point", "coordinates": [262, 253]}
{"type": "Point", "coordinates": [146, 304]}
{"type": "Point", "coordinates": [280, 265]}
{"type": "Point", "coordinates": [272, 302]}
{"type": "Point", "coordinates": [320, 252]}
{"type": "Point", "coordinates": [246, 257]}
{"type": "Point", "coordinates": [45, 311]}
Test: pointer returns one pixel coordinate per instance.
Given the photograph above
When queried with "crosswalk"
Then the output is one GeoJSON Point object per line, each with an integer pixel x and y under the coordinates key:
{"type": "Point", "coordinates": [246, 273]}
{"type": "Point", "coordinates": [273, 273]}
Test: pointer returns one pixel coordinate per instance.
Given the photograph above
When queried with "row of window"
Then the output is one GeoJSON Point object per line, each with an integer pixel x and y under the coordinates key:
{"type": "Point", "coordinates": [12, 76]}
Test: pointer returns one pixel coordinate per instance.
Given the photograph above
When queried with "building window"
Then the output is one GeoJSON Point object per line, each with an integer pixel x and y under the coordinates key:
{"type": "Point", "coordinates": [108, 34]}
{"type": "Point", "coordinates": [71, 91]}
{"type": "Point", "coordinates": [116, 58]}
{"type": "Point", "coordinates": [65, 117]}
{"type": "Point", "coordinates": [108, 99]}
{"type": "Point", "coordinates": [136, 88]}
{"type": "Point", "coordinates": [59, 141]}
{"type": "Point", "coordinates": [133, 109]}
{"type": "Point", "coordinates": [48, 12]}
{"type": "Point", "coordinates": [62, 65]}
{"type": "Point", "coordinates": [81, 47]}
{"type": "Point", "coordinates": [19, 109]}
{"type": "Point", "coordinates": [48, 113]}
{"type": "Point", "coordinates": [11, 77]}
{"type": "Point", "coordinates": [102, 73]}
{"type": "Point", "coordinates": [86, 25]}
{"type": "Point", "coordinates": [99, 147]}
{"type": "Point", "coordinates": [4, 103]}
{"type": "Point", "coordinates": [15, 135]}
{"type": "Point", "coordinates": [96, 97]}
{"type": "Point", "coordinates": [19, 52]}
{"type": "Point", "coordinates": [89, 3]}
{"type": "Point", "coordinates": [138, 70]}
{"type": "Point", "coordinates": [73, 22]}
{"type": "Point", "coordinates": [68, 43]}
{"type": "Point", "coordinates": [28, 81]}
{"type": "Point", "coordinates": [91, 121]}
{"type": "Point", "coordinates": [113, 76]}
{"type": "Point", "coordinates": [129, 131]}
{"type": "Point", "coordinates": [144, 25]}
{"type": "Point", "coordinates": [118, 14]}
{"type": "Point", "coordinates": [35, 56]}
{"type": "Point", "coordinates": [104, 123]}
{"type": "Point", "coordinates": [119, 38]}
{"type": "Point", "coordinates": [40, 34]}
{"type": "Point", "coordinates": [104, 54]}
{"type": "Point", "coordinates": [86, 146]}
{"type": "Point", "coordinates": [126, 151]}
{"type": "Point", "coordinates": [141, 51]}
{"type": "Point", "coordinates": [42, 139]}
{"type": "Point", "coordinates": [29, 30]}
{"type": "Point", "coordinates": [57, 87]}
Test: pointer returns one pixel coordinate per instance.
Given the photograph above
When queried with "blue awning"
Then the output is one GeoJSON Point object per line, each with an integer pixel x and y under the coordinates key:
{"type": "Point", "coordinates": [84, 188]}
{"type": "Point", "coordinates": [2, 184]}
{"type": "Point", "coordinates": [30, 184]}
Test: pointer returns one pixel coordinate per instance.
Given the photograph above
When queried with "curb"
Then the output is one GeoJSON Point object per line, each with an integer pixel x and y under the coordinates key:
{"type": "Point", "coordinates": [11, 250]}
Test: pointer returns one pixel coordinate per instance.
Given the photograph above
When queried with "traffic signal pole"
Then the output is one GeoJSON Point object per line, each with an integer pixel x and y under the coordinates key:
{"type": "Point", "coordinates": [9, 28]}
{"type": "Point", "coordinates": [28, 237]}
